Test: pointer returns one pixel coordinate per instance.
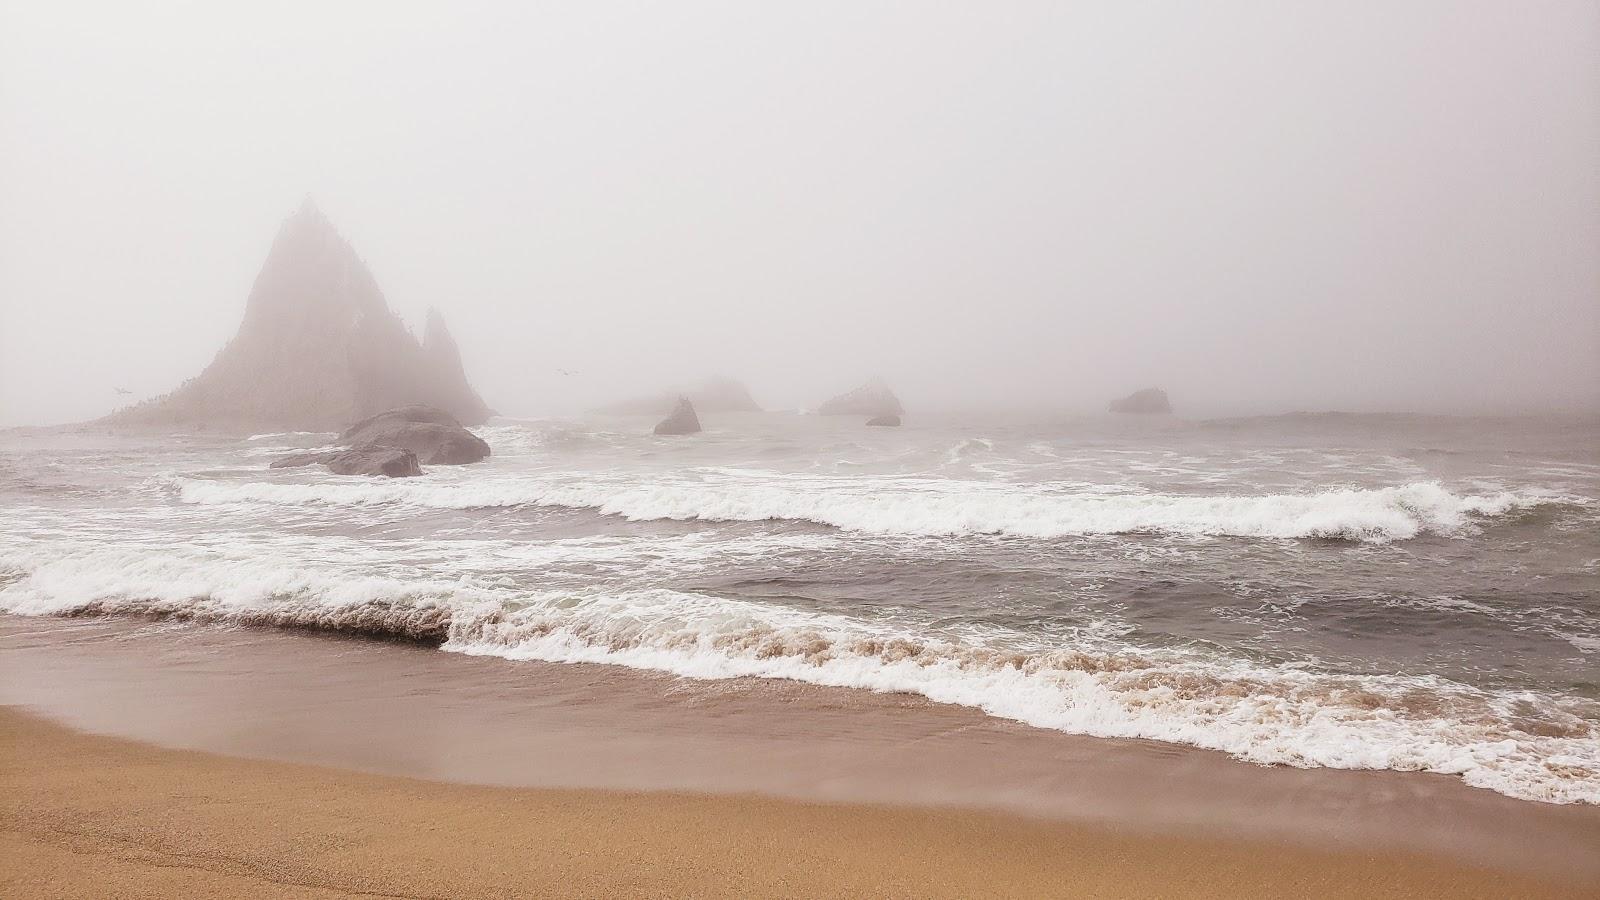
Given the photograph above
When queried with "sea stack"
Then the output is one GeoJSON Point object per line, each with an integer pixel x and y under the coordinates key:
{"type": "Point", "coordinates": [681, 421]}
{"type": "Point", "coordinates": [1150, 401]}
{"type": "Point", "coordinates": [873, 399]}
{"type": "Point", "coordinates": [318, 348]}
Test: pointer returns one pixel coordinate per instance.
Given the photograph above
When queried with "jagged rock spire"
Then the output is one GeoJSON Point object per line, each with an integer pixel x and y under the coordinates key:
{"type": "Point", "coordinates": [318, 348]}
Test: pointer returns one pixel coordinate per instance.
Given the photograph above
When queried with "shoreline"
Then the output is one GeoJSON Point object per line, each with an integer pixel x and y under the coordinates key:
{"type": "Point", "coordinates": [405, 711]}
{"type": "Point", "coordinates": [86, 815]}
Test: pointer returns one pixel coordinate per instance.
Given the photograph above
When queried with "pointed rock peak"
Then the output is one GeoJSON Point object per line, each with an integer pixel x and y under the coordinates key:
{"type": "Point", "coordinates": [318, 347]}
{"type": "Point", "coordinates": [310, 223]}
{"type": "Point", "coordinates": [682, 420]}
{"type": "Point", "coordinates": [435, 330]}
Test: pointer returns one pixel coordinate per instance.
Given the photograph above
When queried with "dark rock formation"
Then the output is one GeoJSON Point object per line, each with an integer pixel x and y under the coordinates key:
{"type": "Point", "coordinates": [383, 443]}
{"type": "Point", "coordinates": [310, 458]}
{"type": "Point", "coordinates": [390, 461]}
{"type": "Point", "coordinates": [718, 394]}
{"type": "Point", "coordinates": [432, 434]}
{"type": "Point", "coordinates": [682, 421]}
{"type": "Point", "coordinates": [318, 347]}
{"type": "Point", "coordinates": [873, 399]}
{"type": "Point", "coordinates": [1149, 401]}
{"type": "Point", "coordinates": [884, 421]}
{"type": "Point", "coordinates": [420, 415]}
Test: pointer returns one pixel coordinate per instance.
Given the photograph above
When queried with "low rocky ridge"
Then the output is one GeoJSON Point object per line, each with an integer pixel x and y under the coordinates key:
{"type": "Point", "coordinates": [1150, 401]}
{"type": "Point", "coordinates": [884, 422]}
{"type": "Point", "coordinates": [873, 399]}
{"type": "Point", "coordinates": [682, 420]}
{"type": "Point", "coordinates": [395, 444]}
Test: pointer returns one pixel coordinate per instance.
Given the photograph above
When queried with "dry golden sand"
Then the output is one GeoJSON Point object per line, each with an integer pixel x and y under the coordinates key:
{"type": "Point", "coordinates": [91, 816]}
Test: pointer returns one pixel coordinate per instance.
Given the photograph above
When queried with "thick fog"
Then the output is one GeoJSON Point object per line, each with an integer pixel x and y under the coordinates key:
{"type": "Point", "coordinates": [1259, 206]}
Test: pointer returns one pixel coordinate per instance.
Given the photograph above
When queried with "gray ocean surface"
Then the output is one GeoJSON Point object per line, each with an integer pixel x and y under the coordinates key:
{"type": "Point", "coordinates": [1350, 591]}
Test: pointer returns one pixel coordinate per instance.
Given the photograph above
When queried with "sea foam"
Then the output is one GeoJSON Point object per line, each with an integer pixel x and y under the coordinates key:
{"type": "Point", "coordinates": [925, 507]}
{"type": "Point", "coordinates": [1521, 743]}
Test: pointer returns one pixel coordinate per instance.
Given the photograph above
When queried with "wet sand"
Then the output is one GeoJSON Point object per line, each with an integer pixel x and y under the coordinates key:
{"type": "Point", "coordinates": [598, 780]}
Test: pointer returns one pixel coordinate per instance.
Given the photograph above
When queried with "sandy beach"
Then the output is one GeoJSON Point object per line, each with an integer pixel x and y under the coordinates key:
{"type": "Point", "coordinates": [88, 816]}
{"type": "Point", "coordinates": [298, 765]}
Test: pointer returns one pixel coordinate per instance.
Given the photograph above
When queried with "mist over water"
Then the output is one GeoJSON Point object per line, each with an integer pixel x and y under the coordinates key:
{"type": "Point", "coordinates": [1259, 207]}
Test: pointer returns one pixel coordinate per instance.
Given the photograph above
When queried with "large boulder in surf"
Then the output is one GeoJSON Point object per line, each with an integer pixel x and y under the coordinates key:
{"type": "Point", "coordinates": [309, 458]}
{"type": "Point", "coordinates": [682, 421]}
{"type": "Point", "coordinates": [392, 462]}
{"type": "Point", "coordinates": [1150, 401]}
{"type": "Point", "coordinates": [432, 434]}
{"type": "Point", "coordinates": [318, 347]}
{"type": "Point", "coordinates": [884, 422]}
{"type": "Point", "coordinates": [873, 399]}
{"type": "Point", "coordinates": [718, 394]}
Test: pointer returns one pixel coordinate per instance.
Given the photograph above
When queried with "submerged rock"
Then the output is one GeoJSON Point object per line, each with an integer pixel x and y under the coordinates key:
{"type": "Point", "coordinates": [1150, 401]}
{"type": "Point", "coordinates": [884, 421]}
{"type": "Point", "coordinates": [682, 421]}
{"type": "Point", "coordinates": [873, 399]}
{"type": "Point", "coordinates": [432, 434]}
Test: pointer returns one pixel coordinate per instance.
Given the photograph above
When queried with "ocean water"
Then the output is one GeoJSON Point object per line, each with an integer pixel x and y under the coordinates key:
{"type": "Point", "coordinates": [1380, 592]}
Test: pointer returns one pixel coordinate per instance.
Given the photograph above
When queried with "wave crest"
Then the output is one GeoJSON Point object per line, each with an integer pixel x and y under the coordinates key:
{"type": "Point", "coordinates": [926, 507]}
{"type": "Point", "coordinates": [1519, 743]}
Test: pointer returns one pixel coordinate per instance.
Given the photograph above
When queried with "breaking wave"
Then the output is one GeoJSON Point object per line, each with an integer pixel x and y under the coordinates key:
{"type": "Point", "coordinates": [1521, 743]}
{"type": "Point", "coordinates": [925, 507]}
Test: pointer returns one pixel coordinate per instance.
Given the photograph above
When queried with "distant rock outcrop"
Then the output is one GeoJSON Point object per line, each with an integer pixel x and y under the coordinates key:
{"type": "Point", "coordinates": [432, 434]}
{"type": "Point", "coordinates": [873, 399]}
{"type": "Point", "coordinates": [318, 347]}
{"type": "Point", "coordinates": [718, 394]}
{"type": "Point", "coordinates": [884, 421]}
{"type": "Point", "coordinates": [681, 421]}
{"type": "Point", "coordinates": [1150, 401]}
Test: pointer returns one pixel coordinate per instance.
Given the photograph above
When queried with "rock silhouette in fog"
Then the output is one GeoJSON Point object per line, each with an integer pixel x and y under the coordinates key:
{"type": "Point", "coordinates": [1150, 401]}
{"type": "Point", "coordinates": [717, 394]}
{"type": "Point", "coordinates": [681, 421]}
{"type": "Point", "coordinates": [318, 347]}
{"type": "Point", "coordinates": [884, 421]}
{"type": "Point", "coordinates": [873, 399]}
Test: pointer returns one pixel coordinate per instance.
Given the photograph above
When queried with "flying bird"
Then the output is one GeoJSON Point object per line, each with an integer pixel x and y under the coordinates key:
{"type": "Point", "coordinates": [566, 371]}
{"type": "Point", "coordinates": [122, 390]}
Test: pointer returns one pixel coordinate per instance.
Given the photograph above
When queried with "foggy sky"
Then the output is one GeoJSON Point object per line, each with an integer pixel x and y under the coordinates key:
{"type": "Point", "coordinates": [1260, 206]}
